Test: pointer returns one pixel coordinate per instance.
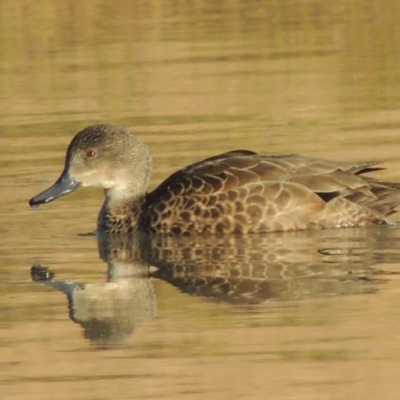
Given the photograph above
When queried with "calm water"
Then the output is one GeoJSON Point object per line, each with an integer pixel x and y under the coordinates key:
{"type": "Point", "coordinates": [284, 316]}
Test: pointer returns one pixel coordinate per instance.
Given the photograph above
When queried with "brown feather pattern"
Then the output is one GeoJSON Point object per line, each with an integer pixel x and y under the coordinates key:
{"type": "Point", "coordinates": [243, 192]}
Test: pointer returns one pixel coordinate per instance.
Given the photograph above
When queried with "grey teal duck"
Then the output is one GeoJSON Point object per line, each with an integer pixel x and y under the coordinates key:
{"type": "Point", "coordinates": [235, 192]}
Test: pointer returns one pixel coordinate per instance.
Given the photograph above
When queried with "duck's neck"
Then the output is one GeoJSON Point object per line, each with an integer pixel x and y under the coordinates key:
{"type": "Point", "coordinates": [120, 213]}
{"type": "Point", "coordinates": [125, 195]}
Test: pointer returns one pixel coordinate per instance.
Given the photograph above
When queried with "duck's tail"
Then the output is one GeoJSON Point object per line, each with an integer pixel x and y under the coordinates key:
{"type": "Point", "coordinates": [387, 197]}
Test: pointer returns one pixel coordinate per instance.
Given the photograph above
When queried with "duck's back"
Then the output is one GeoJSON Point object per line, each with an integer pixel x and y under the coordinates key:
{"type": "Point", "coordinates": [241, 191]}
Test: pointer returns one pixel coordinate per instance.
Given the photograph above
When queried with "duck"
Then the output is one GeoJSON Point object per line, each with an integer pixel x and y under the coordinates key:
{"type": "Point", "coordinates": [236, 192]}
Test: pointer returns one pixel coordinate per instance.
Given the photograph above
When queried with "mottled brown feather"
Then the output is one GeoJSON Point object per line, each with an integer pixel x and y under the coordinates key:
{"type": "Point", "coordinates": [261, 193]}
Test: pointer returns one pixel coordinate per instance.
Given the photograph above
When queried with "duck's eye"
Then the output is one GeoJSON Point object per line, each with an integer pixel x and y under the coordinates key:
{"type": "Point", "coordinates": [90, 153]}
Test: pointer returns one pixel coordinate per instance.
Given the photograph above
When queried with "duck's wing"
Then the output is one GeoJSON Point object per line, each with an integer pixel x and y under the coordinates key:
{"type": "Point", "coordinates": [242, 191]}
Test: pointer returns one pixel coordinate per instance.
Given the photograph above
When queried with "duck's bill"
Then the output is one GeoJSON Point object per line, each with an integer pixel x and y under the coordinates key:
{"type": "Point", "coordinates": [63, 186]}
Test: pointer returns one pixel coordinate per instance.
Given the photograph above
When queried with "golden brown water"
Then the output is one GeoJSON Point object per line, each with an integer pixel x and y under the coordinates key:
{"type": "Point", "coordinates": [194, 78]}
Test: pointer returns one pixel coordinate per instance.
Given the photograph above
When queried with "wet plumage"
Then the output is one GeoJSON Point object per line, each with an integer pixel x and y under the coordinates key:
{"type": "Point", "coordinates": [234, 192]}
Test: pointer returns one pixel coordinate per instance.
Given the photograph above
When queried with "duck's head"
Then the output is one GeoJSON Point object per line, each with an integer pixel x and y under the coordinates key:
{"type": "Point", "coordinates": [105, 156]}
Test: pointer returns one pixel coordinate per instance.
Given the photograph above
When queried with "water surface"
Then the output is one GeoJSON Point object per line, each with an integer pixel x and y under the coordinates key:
{"type": "Point", "coordinates": [310, 316]}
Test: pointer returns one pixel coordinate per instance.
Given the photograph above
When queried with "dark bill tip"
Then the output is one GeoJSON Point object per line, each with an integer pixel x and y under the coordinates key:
{"type": "Point", "coordinates": [63, 186]}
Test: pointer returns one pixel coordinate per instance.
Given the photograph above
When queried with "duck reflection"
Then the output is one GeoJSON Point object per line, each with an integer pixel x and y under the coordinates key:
{"type": "Point", "coordinates": [108, 312]}
{"type": "Point", "coordinates": [241, 270]}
